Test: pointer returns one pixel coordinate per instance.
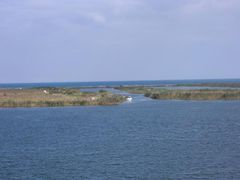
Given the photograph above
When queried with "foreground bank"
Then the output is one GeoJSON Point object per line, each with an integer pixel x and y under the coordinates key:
{"type": "Point", "coordinates": [184, 94]}
{"type": "Point", "coordinates": [50, 97]}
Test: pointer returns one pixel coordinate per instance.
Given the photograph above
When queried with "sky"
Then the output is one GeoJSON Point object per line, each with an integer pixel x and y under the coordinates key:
{"type": "Point", "coordinates": [113, 40]}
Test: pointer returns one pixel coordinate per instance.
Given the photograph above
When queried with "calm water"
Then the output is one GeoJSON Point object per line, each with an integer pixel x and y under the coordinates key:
{"type": "Point", "coordinates": [146, 139]}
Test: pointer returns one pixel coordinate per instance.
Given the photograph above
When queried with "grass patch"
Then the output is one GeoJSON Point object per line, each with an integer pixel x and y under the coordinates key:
{"type": "Point", "coordinates": [203, 94]}
{"type": "Point", "coordinates": [51, 97]}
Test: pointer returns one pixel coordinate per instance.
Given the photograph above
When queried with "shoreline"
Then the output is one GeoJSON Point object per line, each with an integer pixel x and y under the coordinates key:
{"type": "Point", "coordinates": [184, 94]}
{"type": "Point", "coordinates": [65, 97]}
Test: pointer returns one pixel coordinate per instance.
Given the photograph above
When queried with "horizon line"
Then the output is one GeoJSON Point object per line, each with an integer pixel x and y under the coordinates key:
{"type": "Point", "coordinates": [102, 81]}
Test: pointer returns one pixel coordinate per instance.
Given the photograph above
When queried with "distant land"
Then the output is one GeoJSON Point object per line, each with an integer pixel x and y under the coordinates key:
{"type": "Point", "coordinates": [117, 83]}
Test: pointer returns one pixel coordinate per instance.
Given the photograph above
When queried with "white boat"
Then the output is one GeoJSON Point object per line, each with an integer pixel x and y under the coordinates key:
{"type": "Point", "coordinates": [129, 99]}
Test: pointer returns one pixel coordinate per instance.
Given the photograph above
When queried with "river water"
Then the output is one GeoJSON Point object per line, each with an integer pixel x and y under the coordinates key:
{"type": "Point", "coordinates": [145, 139]}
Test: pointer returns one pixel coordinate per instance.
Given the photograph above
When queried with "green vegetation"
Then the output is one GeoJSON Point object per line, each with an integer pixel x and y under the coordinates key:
{"type": "Point", "coordinates": [204, 94]}
{"type": "Point", "coordinates": [102, 91]}
{"type": "Point", "coordinates": [50, 97]}
{"type": "Point", "coordinates": [54, 90]}
{"type": "Point", "coordinates": [136, 89]}
{"type": "Point", "coordinates": [233, 85]}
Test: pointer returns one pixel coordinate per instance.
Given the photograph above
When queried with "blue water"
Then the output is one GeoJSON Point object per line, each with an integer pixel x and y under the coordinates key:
{"type": "Point", "coordinates": [145, 139]}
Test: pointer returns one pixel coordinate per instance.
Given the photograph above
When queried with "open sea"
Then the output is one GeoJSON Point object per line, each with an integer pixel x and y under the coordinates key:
{"type": "Point", "coordinates": [145, 139]}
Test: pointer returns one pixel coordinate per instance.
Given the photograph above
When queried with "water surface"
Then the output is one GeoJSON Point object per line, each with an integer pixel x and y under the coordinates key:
{"type": "Point", "coordinates": [146, 139]}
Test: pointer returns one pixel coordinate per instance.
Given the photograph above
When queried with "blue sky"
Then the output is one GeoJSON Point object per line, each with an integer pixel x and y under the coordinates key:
{"type": "Point", "coordinates": [108, 40]}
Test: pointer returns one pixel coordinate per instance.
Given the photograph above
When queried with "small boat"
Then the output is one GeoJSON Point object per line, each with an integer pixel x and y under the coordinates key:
{"type": "Point", "coordinates": [129, 99]}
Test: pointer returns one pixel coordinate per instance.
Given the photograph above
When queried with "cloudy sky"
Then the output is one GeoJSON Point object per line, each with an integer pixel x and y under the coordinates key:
{"type": "Point", "coordinates": [102, 40]}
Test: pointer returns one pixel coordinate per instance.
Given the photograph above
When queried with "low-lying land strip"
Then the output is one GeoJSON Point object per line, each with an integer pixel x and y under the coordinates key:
{"type": "Point", "coordinates": [47, 97]}
{"type": "Point", "coordinates": [232, 85]}
{"type": "Point", "coordinates": [179, 94]}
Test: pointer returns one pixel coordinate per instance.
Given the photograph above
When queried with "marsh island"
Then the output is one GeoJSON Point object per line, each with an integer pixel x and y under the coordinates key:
{"type": "Point", "coordinates": [50, 97]}
{"type": "Point", "coordinates": [184, 94]}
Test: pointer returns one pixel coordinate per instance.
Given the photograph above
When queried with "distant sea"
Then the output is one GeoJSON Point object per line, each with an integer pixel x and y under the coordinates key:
{"type": "Point", "coordinates": [114, 83]}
